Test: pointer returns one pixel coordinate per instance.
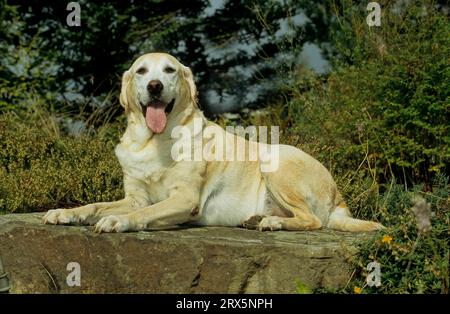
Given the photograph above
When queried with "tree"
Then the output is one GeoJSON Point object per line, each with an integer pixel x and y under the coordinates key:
{"type": "Point", "coordinates": [240, 50]}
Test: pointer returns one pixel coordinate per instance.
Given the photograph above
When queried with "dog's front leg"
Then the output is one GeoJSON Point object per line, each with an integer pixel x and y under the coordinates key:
{"type": "Point", "coordinates": [89, 214]}
{"type": "Point", "coordinates": [135, 198]}
{"type": "Point", "coordinates": [175, 210]}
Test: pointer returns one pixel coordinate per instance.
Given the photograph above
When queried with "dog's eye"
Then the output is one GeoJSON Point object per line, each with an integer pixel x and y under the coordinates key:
{"type": "Point", "coordinates": [169, 70]}
{"type": "Point", "coordinates": [141, 70]}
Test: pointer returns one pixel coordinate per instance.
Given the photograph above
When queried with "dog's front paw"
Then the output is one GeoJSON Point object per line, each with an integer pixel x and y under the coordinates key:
{"type": "Point", "coordinates": [113, 224]}
{"type": "Point", "coordinates": [271, 223]}
{"type": "Point", "coordinates": [60, 216]}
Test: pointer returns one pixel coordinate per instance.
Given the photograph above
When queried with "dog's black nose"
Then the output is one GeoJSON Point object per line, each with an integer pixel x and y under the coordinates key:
{"type": "Point", "coordinates": [155, 87]}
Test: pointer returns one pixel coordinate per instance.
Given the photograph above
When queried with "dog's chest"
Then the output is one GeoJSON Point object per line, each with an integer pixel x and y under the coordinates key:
{"type": "Point", "coordinates": [147, 164]}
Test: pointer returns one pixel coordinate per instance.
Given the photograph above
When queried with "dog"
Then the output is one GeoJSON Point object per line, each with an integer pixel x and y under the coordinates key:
{"type": "Point", "coordinates": [159, 96]}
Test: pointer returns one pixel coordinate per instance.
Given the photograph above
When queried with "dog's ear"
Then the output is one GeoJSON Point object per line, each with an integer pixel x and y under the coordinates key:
{"type": "Point", "coordinates": [126, 77]}
{"type": "Point", "coordinates": [189, 77]}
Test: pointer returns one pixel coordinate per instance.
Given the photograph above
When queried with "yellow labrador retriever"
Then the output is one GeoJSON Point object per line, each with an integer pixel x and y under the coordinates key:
{"type": "Point", "coordinates": [159, 96]}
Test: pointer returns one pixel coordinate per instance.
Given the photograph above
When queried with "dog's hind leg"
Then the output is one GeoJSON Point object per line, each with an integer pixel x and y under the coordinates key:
{"type": "Point", "coordinates": [287, 212]}
{"type": "Point", "coordinates": [297, 223]}
{"type": "Point", "coordinates": [293, 200]}
{"type": "Point", "coordinates": [300, 218]}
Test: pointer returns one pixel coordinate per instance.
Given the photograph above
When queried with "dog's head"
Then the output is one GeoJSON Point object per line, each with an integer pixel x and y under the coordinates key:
{"type": "Point", "coordinates": [154, 86]}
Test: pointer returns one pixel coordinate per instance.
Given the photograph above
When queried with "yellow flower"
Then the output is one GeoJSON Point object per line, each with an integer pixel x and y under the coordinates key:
{"type": "Point", "coordinates": [386, 239]}
{"type": "Point", "coordinates": [357, 290]}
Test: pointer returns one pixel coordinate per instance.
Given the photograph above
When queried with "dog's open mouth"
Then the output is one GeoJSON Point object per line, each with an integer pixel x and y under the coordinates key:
{"type": "Point", "coordinates": [155, 114]}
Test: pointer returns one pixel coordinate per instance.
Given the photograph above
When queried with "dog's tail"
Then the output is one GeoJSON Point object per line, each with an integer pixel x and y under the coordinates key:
{"type": "Point", "coordinates": [341, 219]}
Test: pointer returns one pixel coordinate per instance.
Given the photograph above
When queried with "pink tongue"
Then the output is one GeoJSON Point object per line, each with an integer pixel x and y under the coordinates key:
{"type": "Point", "coordinates": [156, 118]}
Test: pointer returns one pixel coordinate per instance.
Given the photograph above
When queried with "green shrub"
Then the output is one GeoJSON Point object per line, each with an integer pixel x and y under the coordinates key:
{"type": "Point", "coordinates": [410, 261]}
{"type": "Point", "coordinates": [387, 103]}
{"type": "Point", "coordinates": [41, 168]}
{"type": "Point", "coordinates": [26, 71]}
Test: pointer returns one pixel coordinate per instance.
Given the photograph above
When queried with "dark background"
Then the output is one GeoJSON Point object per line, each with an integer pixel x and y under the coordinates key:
{"type": "Point", "coordinates": [240, 51]}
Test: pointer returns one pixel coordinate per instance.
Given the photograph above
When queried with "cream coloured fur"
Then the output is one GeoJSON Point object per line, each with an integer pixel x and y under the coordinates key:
{"type": "Point", "coordinates": [161, 192]}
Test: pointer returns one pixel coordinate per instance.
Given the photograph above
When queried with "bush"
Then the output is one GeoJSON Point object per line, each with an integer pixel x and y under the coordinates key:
{"type": "Point", "coordinates": [411, 261]}
{"type": "Point", "coordinates": [387, 103]}
{"type": "Point", "coordinates": [41, 168]}
{"type": "Point", "coordinates": [25, 69]}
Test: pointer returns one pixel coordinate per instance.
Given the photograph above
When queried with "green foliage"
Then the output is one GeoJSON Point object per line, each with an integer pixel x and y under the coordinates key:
{"type": "Point", "coordinates": [387, 104]}
{"type": "Point", "coordinates": [40, 168]}
{"type": "Point", "coordinates": [24, 69]}
{"type": "Point", "coordinates": [411, 262]}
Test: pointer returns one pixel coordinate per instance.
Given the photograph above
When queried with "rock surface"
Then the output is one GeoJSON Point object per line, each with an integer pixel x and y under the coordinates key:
{"type": "Point", "coordinates": [189, 260]}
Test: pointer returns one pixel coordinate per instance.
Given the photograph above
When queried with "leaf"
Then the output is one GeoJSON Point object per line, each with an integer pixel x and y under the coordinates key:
{"type": "Point", "coordinates": [303, 288]}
